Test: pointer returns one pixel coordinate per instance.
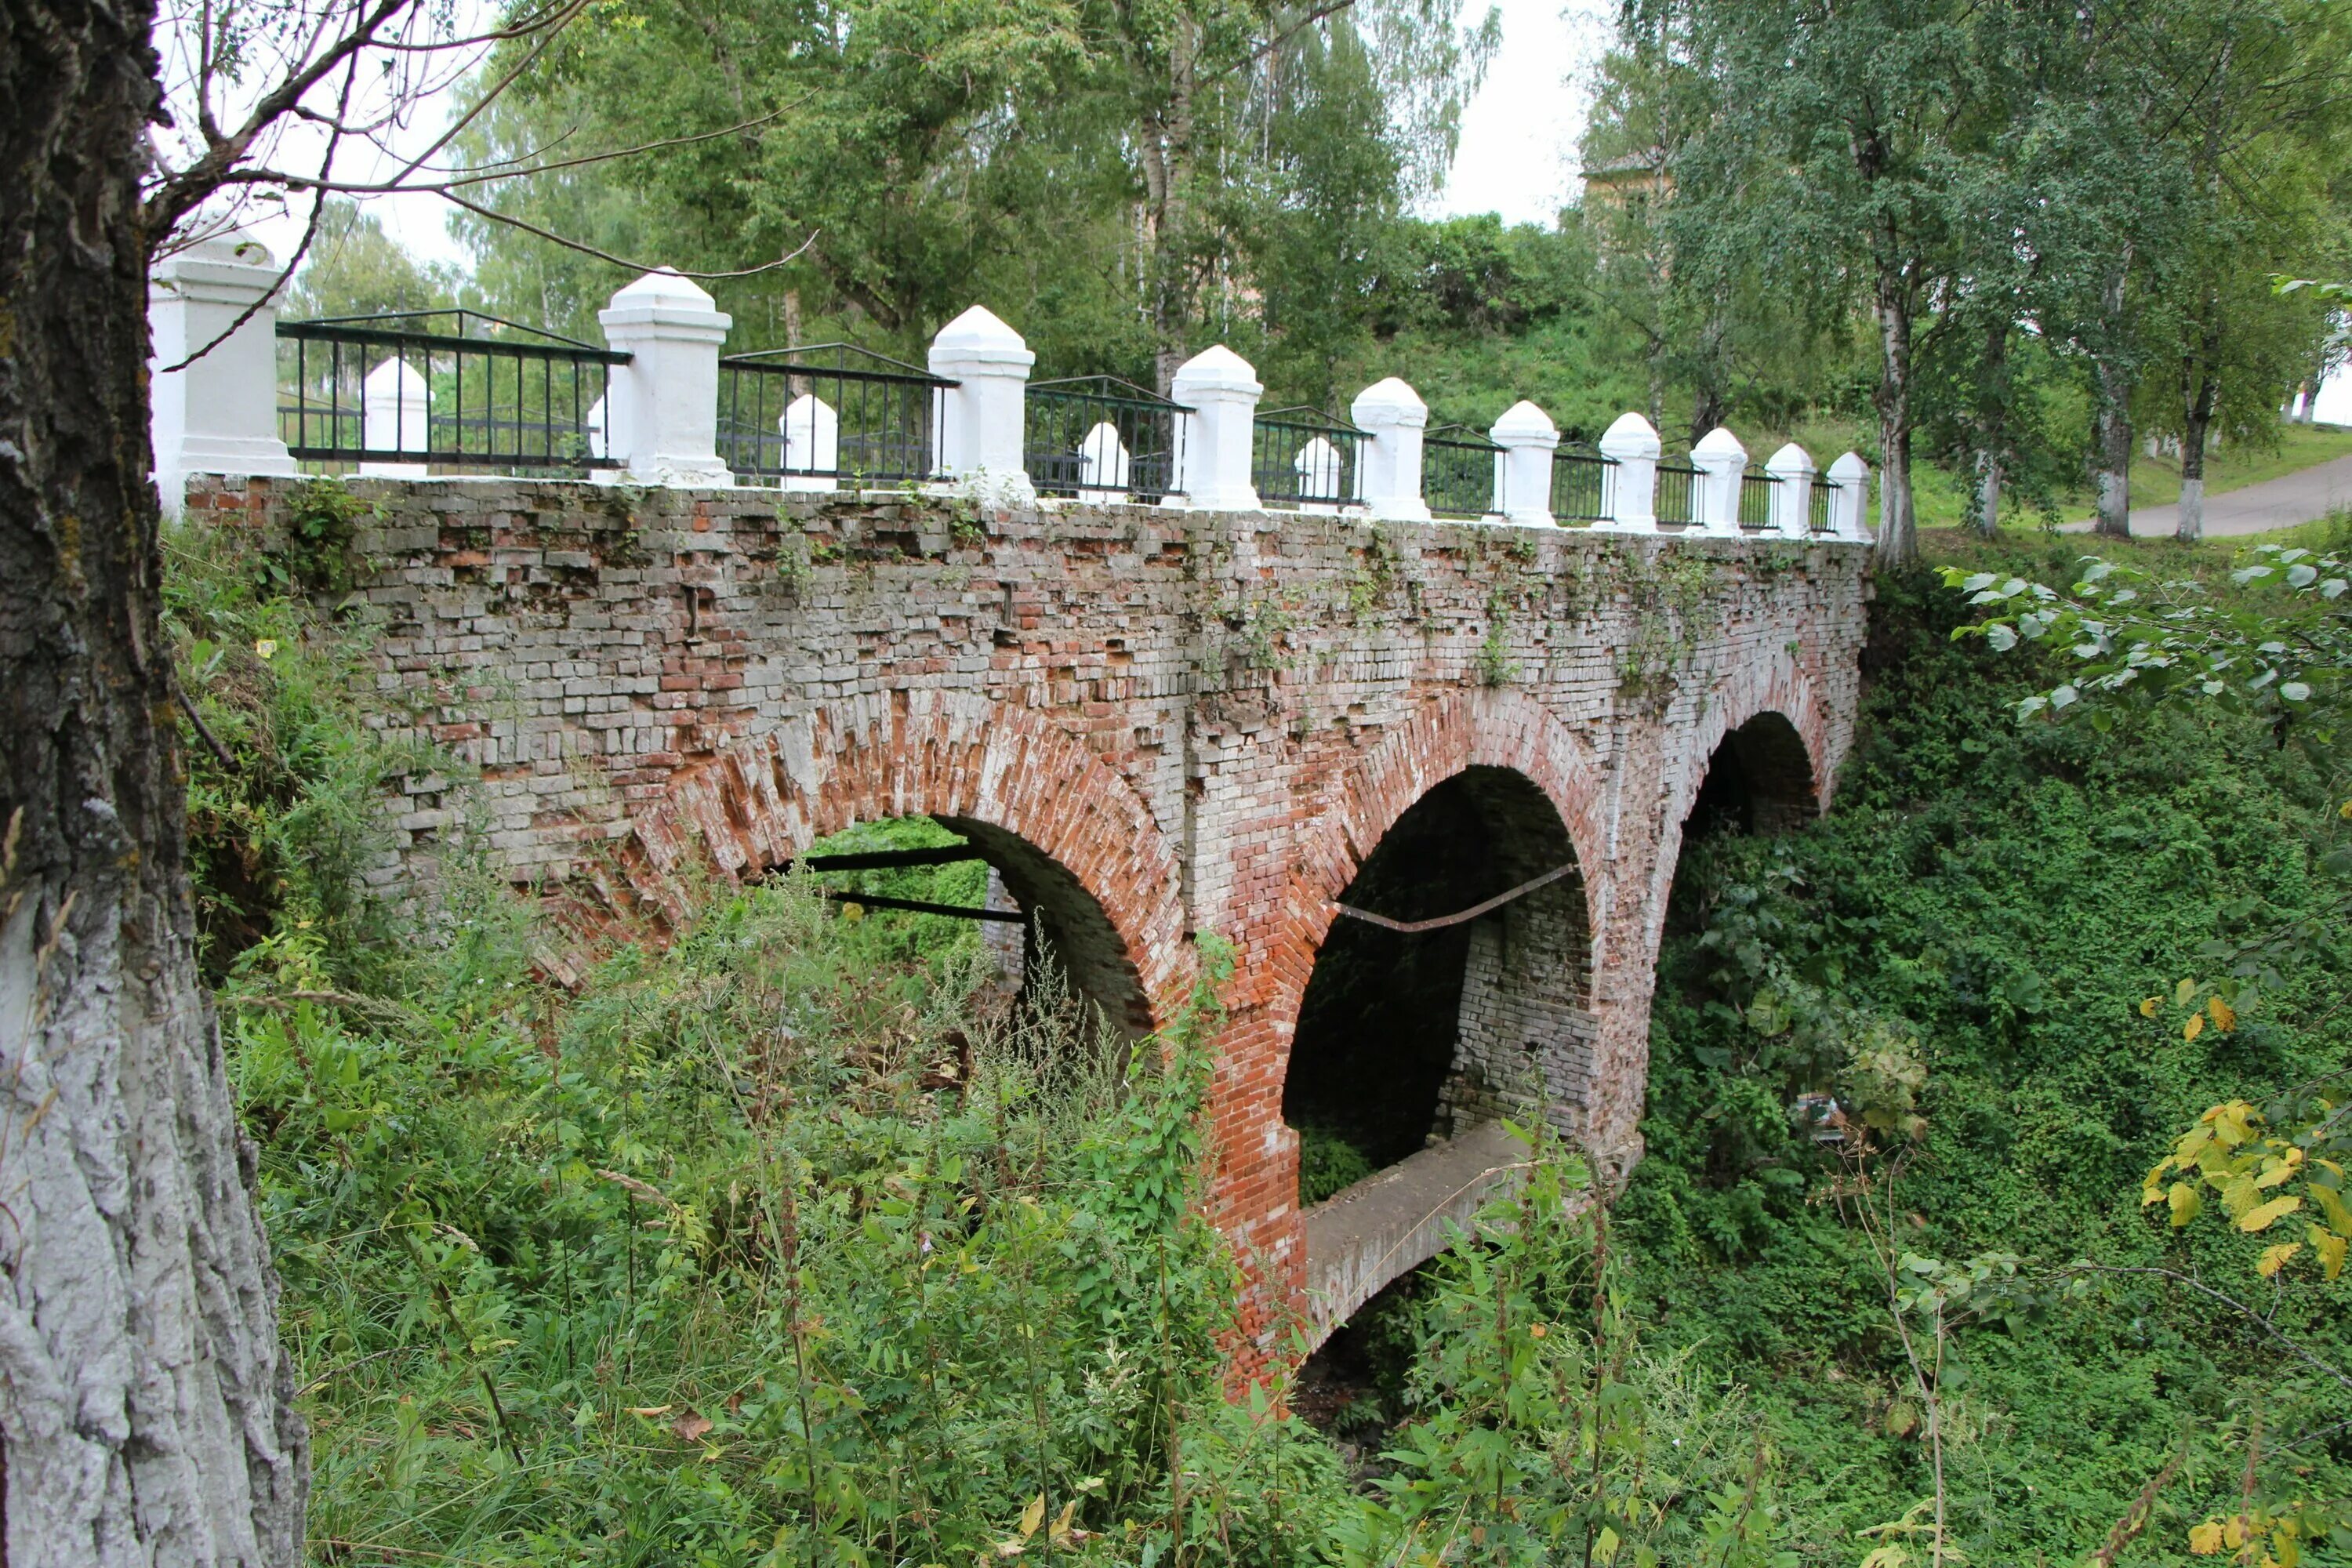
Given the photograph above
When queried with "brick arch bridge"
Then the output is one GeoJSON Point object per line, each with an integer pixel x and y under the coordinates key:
{"type": "Point", "coordinates": [1155, 723]}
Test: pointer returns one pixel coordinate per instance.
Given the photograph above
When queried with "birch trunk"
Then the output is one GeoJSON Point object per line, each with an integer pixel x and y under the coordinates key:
{"type": "Point", "coordinates": [146, 1407]}
{"type": "Point", "coordinates": [2111, 459]}
{"type": "Point", "coordinates": [1898, 536]}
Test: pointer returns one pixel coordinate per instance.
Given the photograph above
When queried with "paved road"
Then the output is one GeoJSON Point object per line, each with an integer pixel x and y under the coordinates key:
{"type": "Point", "coordinates": [2255, 509]}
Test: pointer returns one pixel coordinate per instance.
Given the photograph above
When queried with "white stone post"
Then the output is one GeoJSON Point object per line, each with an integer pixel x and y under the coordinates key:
{"type": "Point", "coordinates": [1792, 497]}
{"type": "Point", "coordinates": [983, 419]}
{"type": "Point", "coordinates": [1390, 484]}
{"type": "Point", "coordinates": [1850, 501]}
{"type": "Point", "coordinates": [1104, 467]}
{"type": "Point", "coordinates": [661, 417]}
{"type": "Point", "coordinates": [219, 416]}
{"type": "Point", "coordinates": [812, 433]}
{"type": "Point", "coordinates": [395, 411]}
{"type": "Point", "coordinates": [1635, 446]}
{"type": "Point", "coordinates": [1222, 390]}
{"type": "Point", "coordinates": [1523, 469]}
{"type": "Point", "coordinates": [1721, 462]}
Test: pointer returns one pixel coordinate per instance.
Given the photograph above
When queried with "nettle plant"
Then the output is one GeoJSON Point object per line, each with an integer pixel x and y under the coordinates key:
{"type": "Point", "coordinates": [2130, 631]}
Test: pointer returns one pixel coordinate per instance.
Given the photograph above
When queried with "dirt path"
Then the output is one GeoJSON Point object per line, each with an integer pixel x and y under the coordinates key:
{"type": "Point", "coordinates": [2281, 502]}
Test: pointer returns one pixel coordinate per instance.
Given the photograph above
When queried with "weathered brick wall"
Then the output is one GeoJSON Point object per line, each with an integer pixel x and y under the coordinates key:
{"type": "Point", "coordinates": [1160, 722]}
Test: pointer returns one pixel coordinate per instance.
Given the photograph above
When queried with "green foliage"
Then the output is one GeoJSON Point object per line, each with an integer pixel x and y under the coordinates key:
{"type": "Point", "coordinates": [1542, 1430]}
{"type": "Point", "coordinates": [1328, 1162]}
{"type": "Point", "coordinates": [2282, 652]}
{"type": "Point", "coordinates": [286, 782]}
{"type": "Point", "coordinates": [2001, 898]}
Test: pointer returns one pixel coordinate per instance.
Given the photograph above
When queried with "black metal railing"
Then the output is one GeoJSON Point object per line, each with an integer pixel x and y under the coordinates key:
{"type": "Point", "coordinates": [373, 389]}
{"type": "Point", "coordinates": [1303, 457]}
{"type": "Point", "coordinates": [1583, 486]}
{"type": "Point", "coordinates": [1677, 495]}
{"type": "Point", "coordinates": [829, 412]}
{"type": "Point", "coordinates": [1461, 472]}
{"type": "Point", "coordinates": [1821, 510]}
{"type": "Point", "coordinates": [1757, 488]}
{"type": "Point", "coordinates": [1096, 438]}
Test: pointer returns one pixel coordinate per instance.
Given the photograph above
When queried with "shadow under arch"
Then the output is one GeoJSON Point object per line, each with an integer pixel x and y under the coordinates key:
{"type": "Point", "coordinates": [1406, 1037]}
{"type": "Point", "coordinates": [1072, 841]}
{"type": "Point", "coordinates": [1758, 780]}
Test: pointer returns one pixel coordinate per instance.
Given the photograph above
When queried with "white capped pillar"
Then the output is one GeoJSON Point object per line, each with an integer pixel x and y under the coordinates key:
{"type": "Point", "coordinates": [1523, 469]}
{"type": "Point", "coordinates": [1792, 497]}
{"type": "Point", "coordinates": [219, 416]}
{"type": "Point", "coordinates": [1721, 462]}
{"type": "Point", "coordinates": [984, 417]}
{"type": "Point", "coordinates": [661, 414]}
{"type": "Point", "coordinates": [1390, 484]}
{"type": "Point", "coordinates": [1222, 390]}
{"type": "Point", "coordinates": [1635, 448]}
{"type": "Point", "coordinates": [1850, 500]}
{"type": "Point", "coordinates": [395, 411]}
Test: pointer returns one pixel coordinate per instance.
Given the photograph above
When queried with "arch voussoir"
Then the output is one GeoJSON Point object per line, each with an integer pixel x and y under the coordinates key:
{"type": "Point", "coordinates": [1012, 769]}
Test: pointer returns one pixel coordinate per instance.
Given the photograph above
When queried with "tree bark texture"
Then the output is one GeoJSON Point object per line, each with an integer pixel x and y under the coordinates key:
{"type": "Point", "coordinates": [146, 1405]}
{"type": "Point", "coordinates": [1898, 534]}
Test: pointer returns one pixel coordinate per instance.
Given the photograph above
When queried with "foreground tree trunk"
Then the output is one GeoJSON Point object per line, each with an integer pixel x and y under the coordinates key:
{"type": "Point", "coordinates": [145, 1404]}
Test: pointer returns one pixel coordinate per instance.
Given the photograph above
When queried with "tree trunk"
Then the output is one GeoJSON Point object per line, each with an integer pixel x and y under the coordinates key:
{"type": "Point", "coordinates": [146, 1406]}
{"type": "Point", "coordinates": [1898, 536]}
{"type": "Point", "coordinates": [2196, 422]}
{"type": "Point", "coordinates": [2111, 459]}
{"type": "Point", "coordinates": [1992, 428]}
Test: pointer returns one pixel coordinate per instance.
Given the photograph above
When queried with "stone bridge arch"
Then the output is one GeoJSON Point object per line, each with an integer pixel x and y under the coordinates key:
{"type": "Point", "coordinates": [1529, 770]}
{"type": "Point", "coordinates": [1768, 717]}
{"type": "Point", "coordinates": [1071, 837]}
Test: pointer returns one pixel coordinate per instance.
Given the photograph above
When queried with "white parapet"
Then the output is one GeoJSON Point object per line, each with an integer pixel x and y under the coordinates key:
{"type": "Point", "coordinates": [1634, 445]}
{"type": "Point", "coordinates": [1222, 390]}
{"type": "Point", "coordinates": [662, 412]}
{"type": "Point", "coordinates": [1721, 462]}
{"type": "Point", "coordinates": [984, 416]}
{"type": "Point", "coordinates": [1523, 468]}
{"type": "Point", "coordinates": [1390, 483]}
{"type": "Point", "coordinates": [1792, 498]}
{"type": "Point", "coordinates": [1849, 497]}
{"type": "Point", "coordinates": [218, 415]}
{"type": "Point", "coordinates": [395, 415]}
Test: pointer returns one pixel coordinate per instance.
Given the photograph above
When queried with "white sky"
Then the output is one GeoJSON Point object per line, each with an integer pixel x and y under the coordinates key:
{"type": "Point", "coordinates": [1518, 135]}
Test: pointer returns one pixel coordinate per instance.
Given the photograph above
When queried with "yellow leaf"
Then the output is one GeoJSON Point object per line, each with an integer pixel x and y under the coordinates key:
{"type": "Point", "coordinates": [2275, 1171]}
{"type": "Point", "coordinates": [2261, 1218]}
{"type": "Point", "coordinates": [1604, 1546]}
{"type": "Point", "coordinates": [2147, 1007]}
{"type": "Point", "coordinates": [1033, 1516]}
{"type": "Point", "coordinates": [1060, 1534]}
{"type": "Point", "coordinates": [2329, 1248]}
{"type": "Point", "coordinates": [2194, 1028]}
{"type": "Point", "coordinates": [2225, 1017]}
{"type": "Point", "coordinates": [2183, 992]}
{"type": "Point", "coordinates": [2239, 1195]}
{"type": "Point", "coordinates": [2185, 1203]}
{"type": "Point", "coordinates": [2205, 1540]}
{"type": "Point", "coordinates": [2331, 1202]}
{"type": "Point", "coordinates": [2274, 1259]}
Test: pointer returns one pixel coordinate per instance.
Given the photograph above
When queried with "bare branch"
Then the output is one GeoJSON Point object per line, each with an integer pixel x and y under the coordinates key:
{"type": "Point", "coordinates": [553, 238]}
